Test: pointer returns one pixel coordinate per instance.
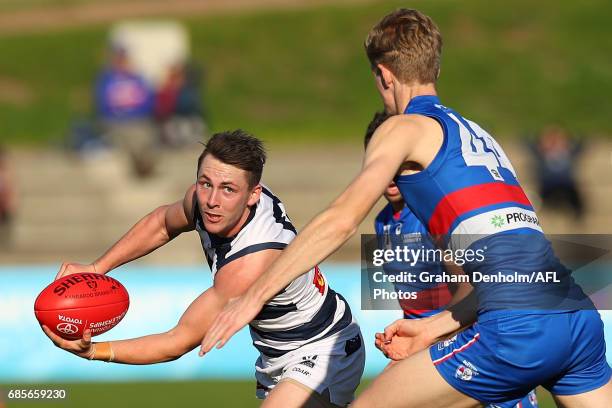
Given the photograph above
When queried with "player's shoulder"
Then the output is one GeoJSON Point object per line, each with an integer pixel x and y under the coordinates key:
{"type": "Point", "coordinates": [267, 221]}
{"type": "Point", "coordinates": [267, 195]}
{"type": "Point", "coordinates": [266, 206]}
{"type": "Point", "coordinates": [190, 202]}
{"type": "Point", "coordinates": [409, 126]}
{"type": "Point", "coordinates": [409, 120]}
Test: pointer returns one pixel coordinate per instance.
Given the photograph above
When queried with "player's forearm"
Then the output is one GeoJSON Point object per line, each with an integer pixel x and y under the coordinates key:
{"type": "Point", "coordinates": [155, 348]}
{"type": "Point", "coordinates": [455, 318]}
{"type": "Point", "coordinates": [168, 346]}
{"type": "Point", "coordinates": [460, 292]}
{"type": "Point", "coordinates": [319, 239]}
{"type": "Point", "coordinates": [147, 235]}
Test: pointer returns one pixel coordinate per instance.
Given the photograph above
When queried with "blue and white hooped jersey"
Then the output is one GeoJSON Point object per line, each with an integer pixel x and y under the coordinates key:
{"type": "Point", "coordinates": [306, 310]}
{"type": "Point", "coordinates": [470, 196]}
{"type": "Point", "coordinates": [405, 230]}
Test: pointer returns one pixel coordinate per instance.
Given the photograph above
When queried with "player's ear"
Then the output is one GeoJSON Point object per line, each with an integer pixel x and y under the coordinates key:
{"type": "Point", "coordinates": [254, 195]}
{"type": "Point", "coordinates": [385, 74]}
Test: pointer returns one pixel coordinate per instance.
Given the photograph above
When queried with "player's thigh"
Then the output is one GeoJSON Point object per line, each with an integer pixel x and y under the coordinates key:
{"type": "Point", "coordinates": [291, 394]}
{"type": "Point", "coordinates": [413, 382]}
{"type": "Point", "coordinates": [598, 398]}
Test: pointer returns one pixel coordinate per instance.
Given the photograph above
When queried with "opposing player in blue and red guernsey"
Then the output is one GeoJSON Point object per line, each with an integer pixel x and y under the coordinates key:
{"type": "Point", "coordinates": [396, 226]}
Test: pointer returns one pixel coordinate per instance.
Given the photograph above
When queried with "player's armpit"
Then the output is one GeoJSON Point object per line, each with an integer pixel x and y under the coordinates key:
{"type": "Point", "coordinates": [236, 277]}
{"type": "Point", "coordinates": [398, 140]}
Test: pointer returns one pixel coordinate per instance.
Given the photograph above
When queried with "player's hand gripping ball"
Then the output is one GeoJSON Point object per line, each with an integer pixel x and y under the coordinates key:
{"type": "Point", "coordinates": [82, 301]}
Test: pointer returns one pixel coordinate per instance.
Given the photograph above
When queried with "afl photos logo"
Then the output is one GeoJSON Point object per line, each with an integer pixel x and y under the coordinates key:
{"type": "Point", "coordinates": [67, 328]}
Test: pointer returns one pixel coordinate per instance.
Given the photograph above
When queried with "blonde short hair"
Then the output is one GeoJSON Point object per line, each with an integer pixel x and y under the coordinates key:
{"type": "Point", "coordinates": [408, 43]}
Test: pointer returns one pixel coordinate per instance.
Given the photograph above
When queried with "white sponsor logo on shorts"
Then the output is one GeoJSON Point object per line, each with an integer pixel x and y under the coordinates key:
{"type": "Point", "coordinates": [301, 370]}
{"type": "Point", "coordinates": [444, 344]}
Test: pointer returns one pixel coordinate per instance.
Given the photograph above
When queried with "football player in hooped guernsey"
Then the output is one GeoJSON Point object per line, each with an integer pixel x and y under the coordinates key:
{"type": "Point", "coordinates": [311, 350]}
{"type": "Point", "coordinates": [397, 226]}
{"type": "Point", "coordinates": [459, 183]}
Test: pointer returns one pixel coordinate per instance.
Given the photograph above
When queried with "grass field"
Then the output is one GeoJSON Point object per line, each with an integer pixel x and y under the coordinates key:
{"type": "Point", "coordinates": [166, 394]}
{"type": "Point", "coordinates": [302, 74]}
{"type": "Point", "coordinates": [13, 5]}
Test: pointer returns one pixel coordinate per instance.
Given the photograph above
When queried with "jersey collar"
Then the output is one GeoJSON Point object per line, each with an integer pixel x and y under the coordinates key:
{"type": "Point", "coordinates": [421, 100]}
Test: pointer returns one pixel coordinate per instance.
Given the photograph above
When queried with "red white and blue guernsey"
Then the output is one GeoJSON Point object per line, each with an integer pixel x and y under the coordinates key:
{"type": "Point", "coordinates": [469, 194]}
{"type": "Point", "coordinates": [403, 229]}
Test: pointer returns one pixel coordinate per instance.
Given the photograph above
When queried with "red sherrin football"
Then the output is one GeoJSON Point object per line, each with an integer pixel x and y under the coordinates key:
{"type": "Point", "coordinates": [83, 300]}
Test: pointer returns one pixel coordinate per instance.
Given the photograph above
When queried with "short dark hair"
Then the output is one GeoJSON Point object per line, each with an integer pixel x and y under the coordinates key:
{"type": "Point", "coordinates": [237, 148]}
{"type": "Point", "coordinates": [377, 120]}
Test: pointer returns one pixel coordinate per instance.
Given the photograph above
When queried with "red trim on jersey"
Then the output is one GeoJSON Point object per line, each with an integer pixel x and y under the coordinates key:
{"type": "Point", "coordinates": [467, 199]}
{"type": "Point", "coordinates": [427, 300]}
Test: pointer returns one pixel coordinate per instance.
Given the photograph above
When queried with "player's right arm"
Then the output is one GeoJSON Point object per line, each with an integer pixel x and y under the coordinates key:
{"type": "Point", "coordinates": [151, 232]}
{"type": "Point", "coordinates": [154, 348]}
{"type": "Point", "coordinates": [231, 280]}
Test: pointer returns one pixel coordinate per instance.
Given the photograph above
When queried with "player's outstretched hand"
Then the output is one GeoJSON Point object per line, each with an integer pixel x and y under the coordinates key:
{"type": "Point", "coordinates": [82, 347]}
{"type": "Point", "coordinates": [68, 268]}
{"type": "Point", "coordinates": [236, 314]}
{"type": "Point", "coordinates": [403, 338]}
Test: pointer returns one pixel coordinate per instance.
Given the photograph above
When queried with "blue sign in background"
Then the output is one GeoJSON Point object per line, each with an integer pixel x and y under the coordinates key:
{"type": "Point", "coordinates": [158, 297]}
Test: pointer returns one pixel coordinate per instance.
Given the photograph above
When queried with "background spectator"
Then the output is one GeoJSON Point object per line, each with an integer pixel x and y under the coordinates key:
{"type": "Point", "coordinates": [7, 199]}
{"type": "Point", "coordinates": [555, 156]}
{"type": "Point", "coordinates": [124, 106]}
{"type": "Point", "coordinates": [178, 107]}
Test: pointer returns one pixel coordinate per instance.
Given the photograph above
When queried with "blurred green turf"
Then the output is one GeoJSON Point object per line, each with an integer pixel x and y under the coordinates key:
{"type": "Point", "coordinates": [19, 5]}
{"type": "Point", "coordinates": [302, 74]}
{"type": "Point", "coordinates": [165, 394]}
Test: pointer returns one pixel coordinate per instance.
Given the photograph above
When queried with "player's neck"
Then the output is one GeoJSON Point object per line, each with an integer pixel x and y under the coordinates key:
{"type": "Point", "coordinates": [407, 92]}
{"type": "Point", "coordinates": [239, 225]}
{"type": "Point", "coordinates": [397, 207]}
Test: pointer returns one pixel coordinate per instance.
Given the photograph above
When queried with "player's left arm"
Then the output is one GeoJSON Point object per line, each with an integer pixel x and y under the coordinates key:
{"type": "Point", "coordinates": [404, 337]}
{"type": "Point", "coordinates": [231, 280]}
{"type": "Point", "coordinates": [393, 143]}
{"type": "Point", "coordinates": [458, 290]}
